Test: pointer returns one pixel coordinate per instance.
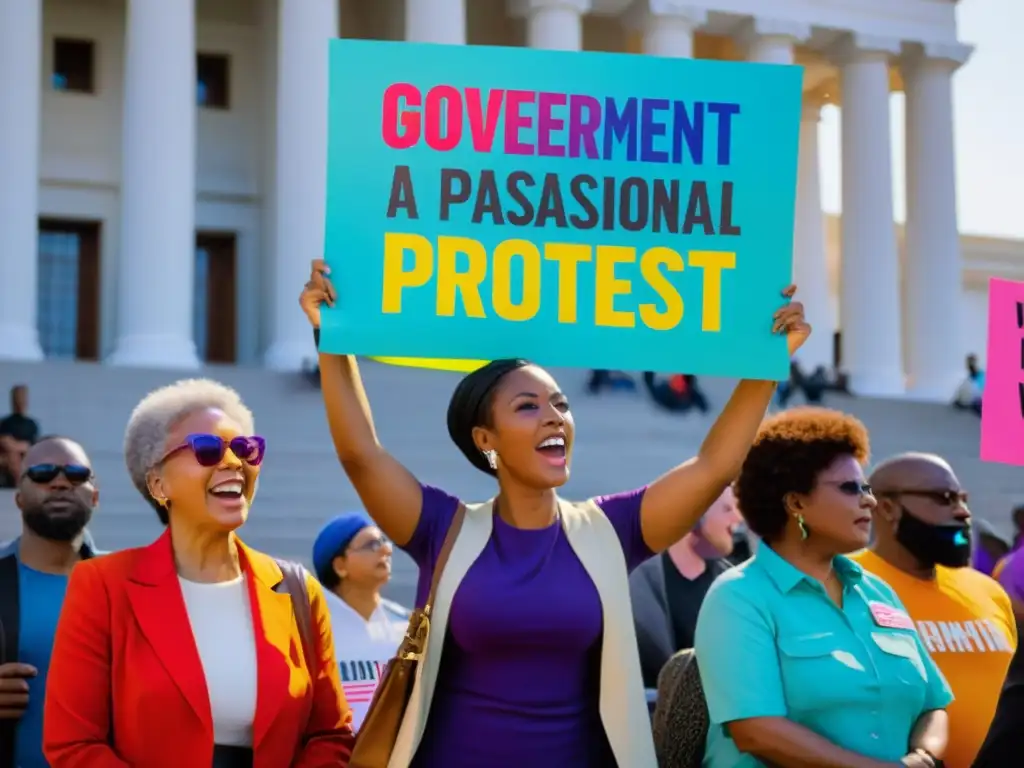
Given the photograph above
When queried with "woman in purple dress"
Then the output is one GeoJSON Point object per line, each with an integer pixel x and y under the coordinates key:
{"type": "Point", "coordinates": [519, 680]}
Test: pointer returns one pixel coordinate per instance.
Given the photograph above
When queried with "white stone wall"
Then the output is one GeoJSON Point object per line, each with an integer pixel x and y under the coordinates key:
{"type": "Point", "coordinates": [80, 161]}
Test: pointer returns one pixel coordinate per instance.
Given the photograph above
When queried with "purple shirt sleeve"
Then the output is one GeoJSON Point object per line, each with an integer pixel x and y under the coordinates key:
{"type": "Point", "coordinates": [623, 511]}
{"type": "Point", "coordinates": [1011, 578]}
{"type": "Point", "coordinates": [982, 561]}
{"type": "Point", "coordinates": [436, 517]}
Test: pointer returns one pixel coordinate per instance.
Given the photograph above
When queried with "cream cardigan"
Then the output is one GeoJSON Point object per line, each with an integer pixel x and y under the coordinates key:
{"type": "Point", "coordinates": [623, 706]}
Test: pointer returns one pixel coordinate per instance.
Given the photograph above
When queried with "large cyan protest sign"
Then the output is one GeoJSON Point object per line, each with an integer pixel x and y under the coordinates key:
{"type": "Point", "coordinates": [1002, 403]}
{"type": "Point", "coordinates": [578, 209]}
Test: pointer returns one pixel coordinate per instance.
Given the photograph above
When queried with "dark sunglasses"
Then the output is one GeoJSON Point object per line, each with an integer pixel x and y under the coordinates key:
{"type": "Point", "coordinates": [209, 450]}
{"type": "Point", "coordinates": [853, 488]}
{"type": "Point", "coordinates": [76, 474]}
{"type": "Point", "coordinates": [943, 498]}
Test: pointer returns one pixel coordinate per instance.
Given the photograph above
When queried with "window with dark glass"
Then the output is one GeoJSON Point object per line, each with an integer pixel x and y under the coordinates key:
{"type": "Point", "coordinates": [212, 75]}
{"type": "Point", "coordinates": [74, 65]}
{"type": "Point", "coordinates": [68, 288]}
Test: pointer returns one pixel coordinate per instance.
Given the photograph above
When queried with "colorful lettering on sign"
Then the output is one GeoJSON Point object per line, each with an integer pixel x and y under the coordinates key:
{"type": "Point", "coordinates": [577, 209]}
{"type": "Point", "coordinates": [562, 125]}
{"type": "Point", "coordinates": [462, 288]}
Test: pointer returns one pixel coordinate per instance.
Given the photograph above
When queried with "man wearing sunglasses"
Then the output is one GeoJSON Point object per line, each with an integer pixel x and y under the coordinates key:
{"type": "Point", "coordinates": [922, 548]}
{"type": "Point", "coordinates": [56, 495]}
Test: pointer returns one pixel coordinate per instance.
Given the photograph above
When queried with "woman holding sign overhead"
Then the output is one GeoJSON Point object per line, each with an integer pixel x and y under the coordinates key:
{"type": "Point", "coordinates": [532, 611]}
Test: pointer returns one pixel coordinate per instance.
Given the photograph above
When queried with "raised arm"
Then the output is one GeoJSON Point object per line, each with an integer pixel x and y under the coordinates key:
{"type": "Point", "coordinates": [389, 492]}
{"type": "Point", "coordinates": [675, 501]}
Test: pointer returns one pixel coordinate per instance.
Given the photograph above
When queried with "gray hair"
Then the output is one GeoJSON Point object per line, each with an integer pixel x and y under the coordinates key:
{"type": "Point", "coordinates": [145, 437]}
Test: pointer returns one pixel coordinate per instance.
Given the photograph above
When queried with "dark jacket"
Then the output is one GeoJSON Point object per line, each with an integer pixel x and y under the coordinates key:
{"type": "Point", "coordinates": [655, 634]}
{"type": "Point", "coordinates": [1005, 741]}
{"type": "Point", "coordinates": [10, 612]}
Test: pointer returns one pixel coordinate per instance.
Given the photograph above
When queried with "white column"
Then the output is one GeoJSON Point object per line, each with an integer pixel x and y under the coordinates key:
{"type": "Point", "coordinates": [668, 27]}
{"type": "Point", "coordinates": [555, 25]}
{"type": "Point", "coordinates": [934, 271]}
{"type": "Point", "coordinates": [810, 262]}
{"type": "Point", "coordinates": [304, 31]}
{"type": "Point", "coordinates": [870, 294]}
{"type": "Point", "coordinates": [158, 188]}
{"type": "Point", "coordinates": [21, 36]}
{"type": "Point", "coordinates": [770, 41]}
{"type": "Point", "coordinates": [435, 21]}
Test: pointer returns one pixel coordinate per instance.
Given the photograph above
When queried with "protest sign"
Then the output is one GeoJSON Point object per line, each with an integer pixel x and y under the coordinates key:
{"type": "Point", "coordinates": [578, 209]}
{"type": "Point", "coordinates": [1002, 403]}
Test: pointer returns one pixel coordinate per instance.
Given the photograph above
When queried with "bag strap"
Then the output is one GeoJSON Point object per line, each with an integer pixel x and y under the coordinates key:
{"type": "Point", "coordinates": [442, 556]}
{"type": "Point", "coordinates": [293, 582]}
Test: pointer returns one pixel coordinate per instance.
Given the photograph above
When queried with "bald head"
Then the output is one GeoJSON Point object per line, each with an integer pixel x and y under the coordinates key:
{"type": "Point", "coordinates": [913, 471]}
{"type": "Point", "coordinates": [57, 490]}
{"type": "Point", "coordinates": [921, 519]}
{"type": "Point", "coordinates": [56, 450]}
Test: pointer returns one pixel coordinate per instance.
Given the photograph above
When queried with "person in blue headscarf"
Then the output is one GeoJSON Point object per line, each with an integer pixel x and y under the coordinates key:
{"type": "Point", "coordinates": [352, 560]}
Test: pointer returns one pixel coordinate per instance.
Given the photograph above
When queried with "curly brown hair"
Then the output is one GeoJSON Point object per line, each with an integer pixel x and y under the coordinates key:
{"type": "Point", "coordinates": [790, 451]}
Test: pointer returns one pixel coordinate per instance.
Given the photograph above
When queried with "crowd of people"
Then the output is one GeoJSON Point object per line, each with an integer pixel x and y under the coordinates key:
{"type": "Point", "coordinates": [771, 599]}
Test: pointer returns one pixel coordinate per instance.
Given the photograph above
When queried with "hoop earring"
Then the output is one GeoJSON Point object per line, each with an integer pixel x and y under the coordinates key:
{"type": "Point", "coordinates": [802, 526]}
{"type": "Point", "coordinates": [492, 459]}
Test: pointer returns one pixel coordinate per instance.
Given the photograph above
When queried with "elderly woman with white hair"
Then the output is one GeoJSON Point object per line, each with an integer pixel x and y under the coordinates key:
{"type": "Point", "coordinates": [195, 650]}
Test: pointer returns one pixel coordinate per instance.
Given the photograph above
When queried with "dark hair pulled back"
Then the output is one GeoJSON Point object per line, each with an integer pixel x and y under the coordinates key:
{"type": "Point", "coordinates": [470, 407]}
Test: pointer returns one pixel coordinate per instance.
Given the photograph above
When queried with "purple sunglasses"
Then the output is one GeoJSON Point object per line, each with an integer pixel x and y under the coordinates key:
{"type": "Point", "coordinates": [210, 449]}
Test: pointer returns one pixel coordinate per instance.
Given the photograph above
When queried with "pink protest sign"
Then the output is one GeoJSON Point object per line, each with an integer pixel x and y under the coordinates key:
{"type": "Point", "coordinates": [1002, 404]}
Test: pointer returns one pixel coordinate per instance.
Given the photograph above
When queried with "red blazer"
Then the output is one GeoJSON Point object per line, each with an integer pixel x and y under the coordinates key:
{"type": "Point", "coordinates": [126, 686]}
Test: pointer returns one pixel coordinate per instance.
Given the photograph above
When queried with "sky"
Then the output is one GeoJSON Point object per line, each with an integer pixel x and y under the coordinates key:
{"type": "Point", "coordinates": [989, 126]}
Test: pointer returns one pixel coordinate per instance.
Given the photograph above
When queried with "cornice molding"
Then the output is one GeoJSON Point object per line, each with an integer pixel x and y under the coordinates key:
{"type": "Point", "coordinates": [525, 8]}
{"type": "Point", "coordinates": [642, 13]}
{"type": "Point", "coordinates": [854, 46]}
{"type": "Point", "coordinates": [952, 54]}
{"type": "Point", "coordinates": [750, 31]}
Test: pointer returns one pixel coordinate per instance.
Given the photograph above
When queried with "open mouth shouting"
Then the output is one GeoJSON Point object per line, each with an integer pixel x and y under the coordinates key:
{"type": "Point", "coordinates": [553, 450]}
{"type": "Point", "coordinates": [229, 494]}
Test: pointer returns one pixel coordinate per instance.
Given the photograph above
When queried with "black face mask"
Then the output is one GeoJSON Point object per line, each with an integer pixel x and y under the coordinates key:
{"type": "Point", "coordinates": [948, 545]}
{"type": "Point", "coordinates": [62, 526]}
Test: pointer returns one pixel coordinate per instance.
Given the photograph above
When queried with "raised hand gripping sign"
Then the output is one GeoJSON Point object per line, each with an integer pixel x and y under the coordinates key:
{"type": "Point", "coordinates": [1002, 403]}
{"type": "Point", "coordinates": [579, 209]}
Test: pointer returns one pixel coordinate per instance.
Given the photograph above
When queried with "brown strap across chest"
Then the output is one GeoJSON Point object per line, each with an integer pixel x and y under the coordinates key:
{"type": "Point", "coordinates": [442, 556]}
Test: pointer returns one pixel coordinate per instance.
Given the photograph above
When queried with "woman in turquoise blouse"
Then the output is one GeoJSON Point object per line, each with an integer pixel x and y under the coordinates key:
{"type": "Point", "coordinates": [806, 659]}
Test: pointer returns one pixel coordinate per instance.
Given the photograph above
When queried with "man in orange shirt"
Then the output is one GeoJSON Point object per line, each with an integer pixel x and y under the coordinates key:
{"type": "Point", "coordinates": [922, 549]}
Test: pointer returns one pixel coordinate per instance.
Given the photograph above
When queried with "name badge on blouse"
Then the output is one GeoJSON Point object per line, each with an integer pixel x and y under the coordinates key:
{"type": "Point", "coordinates": [889, 617]}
